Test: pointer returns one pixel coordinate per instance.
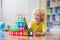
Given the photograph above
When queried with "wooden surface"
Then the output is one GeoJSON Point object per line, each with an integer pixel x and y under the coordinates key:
{"type": "Point", "coordinates": [49, 36]}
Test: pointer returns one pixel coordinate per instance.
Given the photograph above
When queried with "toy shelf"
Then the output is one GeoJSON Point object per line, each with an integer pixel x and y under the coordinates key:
{"type": "Point", "coordinates": [53, 12]}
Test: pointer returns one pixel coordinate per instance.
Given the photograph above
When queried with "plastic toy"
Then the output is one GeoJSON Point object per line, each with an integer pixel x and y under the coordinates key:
{"type": "Point", "coordinates": [20, 15]}
{"type": "Point", "coordinates": [20, 24]}
{"type": "Point", "coordinates": [25, 32]}
{"type": "Point", "coordinates": [20, 20]}
{"type": "Point", "coordinates": [16, 33]}
{"type": "Point", "coordinates": [15, 28]}
{"type": "Point", "coordinates": [30, 32]}
{"type": "Point", "coordinates": [21, 29]}
{"type": "Point", "coordinates": [8, 27]}
{"type": "Point", "coordinates": [2, 25]}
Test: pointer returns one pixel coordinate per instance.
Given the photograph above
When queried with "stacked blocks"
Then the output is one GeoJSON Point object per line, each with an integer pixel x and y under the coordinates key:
{"type": "Point", "coordinates": [21, 28]}
{"type": "Point", "coordinates": [25, 30]}
{"type": "Point", "coordinates": [18, 27]}
{"type": "Point", "coordinates": [20, 24]}
{"type": "Point", "coordinates": [20, 20]}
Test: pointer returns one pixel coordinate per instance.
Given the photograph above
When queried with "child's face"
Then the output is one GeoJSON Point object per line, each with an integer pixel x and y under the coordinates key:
{"type": "Point", "coordinates": [38, 16]}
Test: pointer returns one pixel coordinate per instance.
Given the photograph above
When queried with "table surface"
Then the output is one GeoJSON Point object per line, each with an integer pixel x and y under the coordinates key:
{"type": "Point", "coordinates": [49, 36]}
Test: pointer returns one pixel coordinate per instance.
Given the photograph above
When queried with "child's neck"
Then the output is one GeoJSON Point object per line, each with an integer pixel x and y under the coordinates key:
{"type": "Point", "coordinates": [38, 22]}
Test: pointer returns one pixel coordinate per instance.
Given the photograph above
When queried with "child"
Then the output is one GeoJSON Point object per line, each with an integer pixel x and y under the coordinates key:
{"type": "Point", "coordinates": [38, 24]}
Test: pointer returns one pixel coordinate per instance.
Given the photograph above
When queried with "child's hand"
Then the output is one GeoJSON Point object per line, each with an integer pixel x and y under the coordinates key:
{"type": "Point", "coordinates": [40, 34]}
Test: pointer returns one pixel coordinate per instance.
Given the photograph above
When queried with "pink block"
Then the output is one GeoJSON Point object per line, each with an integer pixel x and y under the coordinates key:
{"type": "Point", "coordinates": [11, 33]}
{"type": "Point", "coordinates": [20, 15]}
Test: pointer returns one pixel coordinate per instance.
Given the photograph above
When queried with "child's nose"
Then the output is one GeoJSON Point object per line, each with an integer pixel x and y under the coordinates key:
{"type": "Point", "coordinates": [35, 17]}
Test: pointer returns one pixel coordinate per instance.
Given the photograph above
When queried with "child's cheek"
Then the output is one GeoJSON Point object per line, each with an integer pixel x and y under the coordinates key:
{"type": "Point", "coordinates": [35, 17]}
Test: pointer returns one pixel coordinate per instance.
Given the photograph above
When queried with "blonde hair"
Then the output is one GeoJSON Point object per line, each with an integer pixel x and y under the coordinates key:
{"type": "Point", "coordinates": [40, 10]}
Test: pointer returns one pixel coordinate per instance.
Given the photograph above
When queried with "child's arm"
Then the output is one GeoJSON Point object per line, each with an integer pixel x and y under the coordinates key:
{"type": "Point", "coordinates": [40, 33]}
{"type": "Point", "coordinates": [43, 31]}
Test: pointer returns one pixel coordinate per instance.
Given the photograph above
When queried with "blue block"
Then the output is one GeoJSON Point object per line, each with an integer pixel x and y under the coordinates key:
{"type": "Point", "coordinates": [21, 24]}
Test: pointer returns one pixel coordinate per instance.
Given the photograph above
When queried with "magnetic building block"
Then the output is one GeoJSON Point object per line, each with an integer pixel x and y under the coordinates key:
{"type": "Point", "coordinates": [25, 32]}
{"type": "Point", "coordinates": [20, 15]}
{"type": "Point", "coordinates": [30, 32]}
{"type": "Point", "coordinates": [16, 33]}
{"type": "Point", "coordinates": [20, 20]}
{"type": "Point", "coordinates": [21, 29]}
{"type": "Point", "coordinates": [15, 28]}
{"type": "Point", "coordinates": [20, 24]}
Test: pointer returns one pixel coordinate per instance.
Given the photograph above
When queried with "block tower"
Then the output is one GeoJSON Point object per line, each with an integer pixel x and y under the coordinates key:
{"type": "Point", "coordinates": [17, 29]}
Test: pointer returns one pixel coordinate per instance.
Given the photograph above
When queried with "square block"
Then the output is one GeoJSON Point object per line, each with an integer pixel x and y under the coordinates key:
{"type": "Point", "coordinates": [19, 33]}
{"type": "Point", "coordinates": [25, 33]}
{"type": "Point", "coordinates": [21, 29]}
{"type": "Point", "coordinates": [21, 24]}
{"type": "Point", "coordinates": [30, 34]}
{"type": "Point", "coordinates": [20, 20]}
{"type": "Point", "coordinates": [20, 15]}
{"type": "Point", "coordinates": [25, 28]}
{"type": "Point", "coordinates": [14, 33]}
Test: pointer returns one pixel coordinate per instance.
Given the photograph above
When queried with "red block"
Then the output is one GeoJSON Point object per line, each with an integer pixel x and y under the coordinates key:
{"type": "Point", "coordinates": [14, 33]}
{"type": "Point", "coordinates": [19, 33]}
{"type": "Point", "coordinates": [25, 28]}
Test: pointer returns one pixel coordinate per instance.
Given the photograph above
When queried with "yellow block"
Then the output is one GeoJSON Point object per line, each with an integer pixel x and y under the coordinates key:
{"type": "Point", "coordinates": [25, 33]}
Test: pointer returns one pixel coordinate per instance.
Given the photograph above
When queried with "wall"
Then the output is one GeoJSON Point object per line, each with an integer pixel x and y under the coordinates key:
{"type": "Point", "coordinates": [43, 4]}
{"type": "Point", "coordinates": [11, 8]}
{"type": "Point", "coordinates": [0, 9]}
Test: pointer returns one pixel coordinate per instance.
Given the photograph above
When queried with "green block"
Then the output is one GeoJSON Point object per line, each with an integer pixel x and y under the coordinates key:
{"type": "Point", "coordinates": [20, 19]}
{"type": "Point", "coordinates": [15, 28]}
